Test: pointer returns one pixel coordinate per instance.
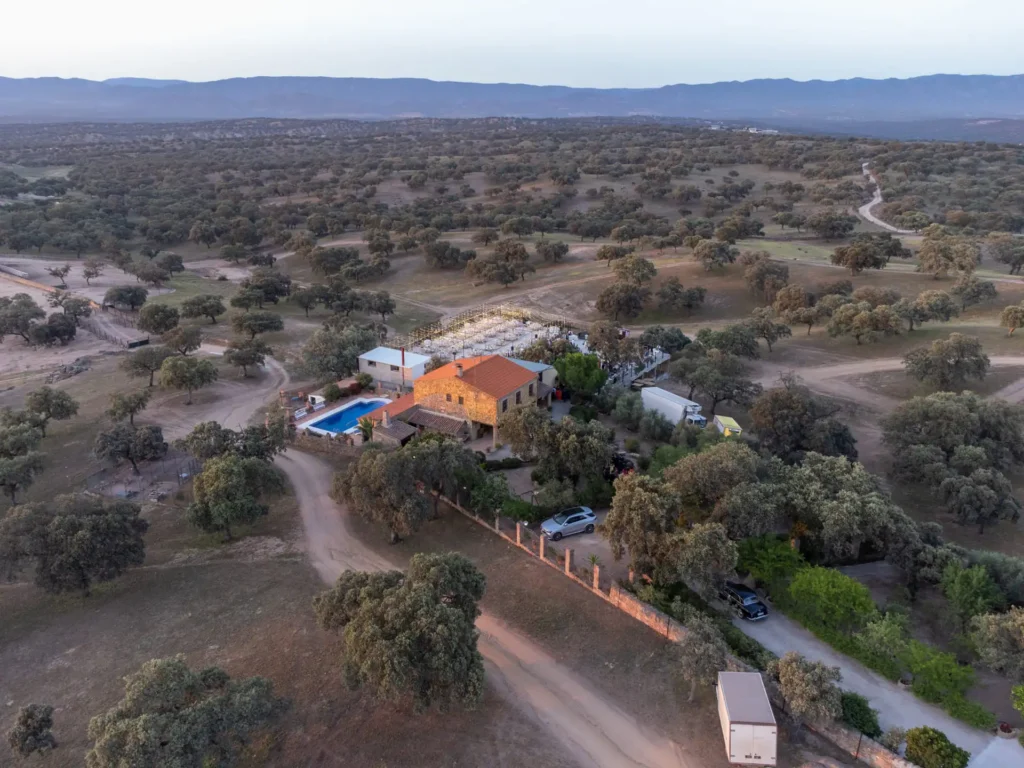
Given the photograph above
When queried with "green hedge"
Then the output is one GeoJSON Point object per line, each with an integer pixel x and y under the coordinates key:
{"type": "Point", "coordinates": [937, 676]}
{"type": "Point", "coordinates": [509, 462]}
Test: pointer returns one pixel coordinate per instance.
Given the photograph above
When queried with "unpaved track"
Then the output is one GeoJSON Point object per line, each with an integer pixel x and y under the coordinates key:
{"type": "Point", "coordinates": [865, 210]}
{"type": "Point", "coordinates": [591, 728]}
{"type": "Point", "coordinates": [230, 401]}
{"type": "Point", "coordinates": [829, 379]}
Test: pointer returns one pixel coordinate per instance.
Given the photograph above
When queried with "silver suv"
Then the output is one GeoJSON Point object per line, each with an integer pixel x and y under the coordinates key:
{"type": "Point", "coordinates": [569, 521]}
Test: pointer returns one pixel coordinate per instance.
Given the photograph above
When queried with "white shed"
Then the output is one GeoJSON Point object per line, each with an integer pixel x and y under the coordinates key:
{"type": "Point", "coordinates": [393, 367]}
{"type": "Point", "coordinates": [672, 406]}
{"type": "Point", "coordinates": [748, 723]}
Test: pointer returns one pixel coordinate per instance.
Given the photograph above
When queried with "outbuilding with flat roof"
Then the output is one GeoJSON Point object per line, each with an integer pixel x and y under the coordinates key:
{"type": "Point", "coordinates": [748, 723]}
{"type": "Point", "coordinates": [393, 368]}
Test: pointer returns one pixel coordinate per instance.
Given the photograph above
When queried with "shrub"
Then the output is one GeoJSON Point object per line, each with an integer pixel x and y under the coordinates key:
{"type": "Point", "coordinates": [332, 393]}
{"type": "Point", "coordinates": [631, 444]}
{"type": "Point", "coordinates": [893, 739]}
{"type": "Point", "coordinates": [970, 712]}
{"type": "Point", "coordinates": [583, 413]}
{"type": "Point", "coordinates": [859, 715]}
{"type": "Point", "coordinates": [930, 748]}
{"type": "Point", "coordinates": [769, 558]}
{"type": "Point", "coordinates": [364, 380]}
{"type": "Point", "coordinates": [597, 492]}
{"type": "Point", "coordinates": [518, 509]}
{"type": "Point", "coordinates": [826, 598]}
{"type": "Point", "coordinates": [937, 675]}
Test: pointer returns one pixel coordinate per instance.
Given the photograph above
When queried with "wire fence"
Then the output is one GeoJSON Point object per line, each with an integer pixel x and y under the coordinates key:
{"type": "Point", "coordinates": [154, 479]}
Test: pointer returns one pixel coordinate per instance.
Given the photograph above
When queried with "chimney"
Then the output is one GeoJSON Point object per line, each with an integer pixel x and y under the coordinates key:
{"type": "Point", "coordinates": [386, 419]}
{"type": "Point", "coordinates": [403, 357]}
{"type": "Point", "coordinates": [458, 370]}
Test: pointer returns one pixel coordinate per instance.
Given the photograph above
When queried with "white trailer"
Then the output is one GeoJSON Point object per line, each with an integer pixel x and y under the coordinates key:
{"type": "Point", "coordinates": [748, 723]}
{"type": "Point", "coordinates": [672, 406]}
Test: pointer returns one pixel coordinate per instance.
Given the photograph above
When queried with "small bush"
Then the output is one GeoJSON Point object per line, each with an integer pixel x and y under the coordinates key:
{"type": "Point", "coordinates": [930, 748]}
{"type": "Point", "coordinates": [596, 493]}
{"type": "Point", "coordinates": [970, 712]}
{"type": "Point", "coordinates": [583, 413]}
{"type": "Point", "coordinates": [644, 462]}
{"type": "Point", "coordinates": [222, 278]}
{"type": "Point", "coordinates": [859, 715]}
{"type": "Point", "coordinates": [518, 509]}
{"type": "Point", "coordinates": [364, 380]}
{"type": "Point", "coordinates": [769, 559]}
{"type": "Point", "coordinates": [631, 444]}
{"type": "Point", "coordinates": [332, 393]}
{"type": "Point", "coordinates": [893, 739]}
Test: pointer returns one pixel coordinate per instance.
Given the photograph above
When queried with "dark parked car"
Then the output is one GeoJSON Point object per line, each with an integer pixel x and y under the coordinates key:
{"type": "Point", "coordinates": [744, 601]}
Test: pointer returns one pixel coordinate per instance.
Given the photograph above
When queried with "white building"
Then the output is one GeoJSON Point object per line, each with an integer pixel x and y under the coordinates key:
{"type": "Point", "coordinates": [672, 406]}
{"type": "Point", "coordinates": [393, 367]}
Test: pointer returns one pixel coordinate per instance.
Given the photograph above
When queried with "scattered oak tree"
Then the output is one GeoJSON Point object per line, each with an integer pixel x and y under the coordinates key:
{"type": "Point", "coordinates": [128, 406]}
{"type": "Point", "coordinates": [131, 296]}
{"type": "Point", "coordinates": [48, 403]}
{"type": "Point", "coordinates": [124, 442]}
{"type": "Point", "coordinates": [31, 731]}
{"type": "Point", "coordinates": [146, 361]}
{"type": "Point", "coordinates": [763, 325]}
{"type": "Point", "coordinates": [382, 488]}
{"type": "Point", "coordinates": [247, 354]}
{"type": "Point", "coordinates": [255, 323]}
{"type": "Point", "coordinates": [948, 363]}
{"type": "Point", "coordinates": [187, 373]}
{"type": "Point", "coordinates": [230, 492]}
{"type": "Point", "coordinates": [72, 541]}
{"type": "Point", "coordinates": [206, 305]}
{"type": "Point", "coordinates": [171, 715]}
{"type": "Point", "coordinates": [642, 516]}
{"type": "Point", "coordinates": [158, 318]}
{"type": "Point", "coordinates": [183, 340]}
{"type": "Point", "coordinates": [412, 636]}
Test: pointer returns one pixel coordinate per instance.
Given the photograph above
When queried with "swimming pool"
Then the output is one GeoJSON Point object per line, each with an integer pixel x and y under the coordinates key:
{"type": "Point", "coordinates": [345, 418]}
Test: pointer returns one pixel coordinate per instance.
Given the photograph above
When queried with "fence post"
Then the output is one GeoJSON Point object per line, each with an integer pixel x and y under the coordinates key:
{"type": "Point", "coordinates": [568, 562]}
{"type": "Point", "coordinates": [597, 578]}
{"type": "Point", "coordinates": [519, 534]}
{"type": "Point", "coordinates": [497, 523]}
{"type": "Point", "coordinates": [632, 576]}
{"type": "Point", "coordinates": [542, 546]}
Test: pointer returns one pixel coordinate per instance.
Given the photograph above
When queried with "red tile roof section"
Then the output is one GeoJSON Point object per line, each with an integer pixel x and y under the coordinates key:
{"type": "Point", "coordinates": [394, 409]}
{"type": "Point", "coordinates": [493, 375]}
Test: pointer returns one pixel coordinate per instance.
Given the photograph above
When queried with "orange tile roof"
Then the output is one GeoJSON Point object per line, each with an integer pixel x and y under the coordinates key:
{"type": "Point", "coordinates": [493, 375]}
{"type": "Point", "coordinates": [394, 409]}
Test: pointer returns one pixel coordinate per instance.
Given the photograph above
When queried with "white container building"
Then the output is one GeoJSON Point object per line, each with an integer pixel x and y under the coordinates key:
{"type": "Point", "coordinates": [672, 406]}
{"type": "Point", "coordinates": [748, 723]}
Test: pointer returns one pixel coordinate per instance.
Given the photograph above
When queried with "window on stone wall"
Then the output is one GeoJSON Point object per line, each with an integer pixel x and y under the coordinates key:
{"type": "Point", "coordinates": [461, 402]}
{"type": "Point", "coordinates": [394, 368]}
{"type": "Point", "coordinates": [504, 405]}
{"type": "Point", "coordinates": [519, 397]}
{"type": "Point", "coordinates": [531, 390]}
{"type": "Point", "coordinates": [371, 364]}
{"type": "Point", "coordinates": [448, 398]}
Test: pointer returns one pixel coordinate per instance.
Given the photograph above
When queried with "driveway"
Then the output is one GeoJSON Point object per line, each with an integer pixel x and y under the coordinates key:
{"type": "Point", "coordinates": [896, 707]}
{"type": "Point", "coordinates": [591, 727]}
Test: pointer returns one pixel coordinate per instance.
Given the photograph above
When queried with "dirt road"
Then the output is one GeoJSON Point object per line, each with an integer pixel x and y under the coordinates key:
{"type": "Point", "coordinates": [865, 210]}
{"type": "Point", "coordinates": [230, 401]}
{"type": "Point", "coordinates": [830, 380]}
{"type": "Point", "coordinates": [592, 729]}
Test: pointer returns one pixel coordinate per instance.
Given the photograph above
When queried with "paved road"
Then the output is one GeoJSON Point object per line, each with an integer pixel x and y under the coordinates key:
{"type": "Point", "coordinates": [865, 210]}
{"type": "Point", "coordinates": [590, 727]}
{"type": "Point", "coordinates": [896, 707]}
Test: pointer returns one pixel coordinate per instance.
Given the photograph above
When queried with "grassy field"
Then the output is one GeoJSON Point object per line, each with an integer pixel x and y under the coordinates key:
{"type": "Point", "coordinates": [187, 285]}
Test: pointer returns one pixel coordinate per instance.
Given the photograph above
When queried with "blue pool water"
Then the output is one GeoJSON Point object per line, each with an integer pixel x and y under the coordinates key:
{"type": "Point", "coordinates": [347, 417]}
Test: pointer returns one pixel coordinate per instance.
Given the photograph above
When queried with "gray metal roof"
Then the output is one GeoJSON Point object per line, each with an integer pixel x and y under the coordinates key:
{"type": "Point", "coordinates": [531, 366]}
{"type": "Point", "coordinates": [746, 700]}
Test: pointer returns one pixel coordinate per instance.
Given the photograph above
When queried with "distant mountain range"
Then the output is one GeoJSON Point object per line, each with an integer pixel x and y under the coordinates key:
{"type": "Point", "coordinates": [834, 105]}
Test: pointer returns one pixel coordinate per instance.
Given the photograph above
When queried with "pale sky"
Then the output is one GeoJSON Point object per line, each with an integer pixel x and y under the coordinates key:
{"type": "Point", "coordinates": [600, 43]}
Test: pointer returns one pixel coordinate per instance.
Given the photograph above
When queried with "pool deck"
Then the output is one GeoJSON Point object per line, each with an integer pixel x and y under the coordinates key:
{"type": "Point", "coordinates": [305, 422]}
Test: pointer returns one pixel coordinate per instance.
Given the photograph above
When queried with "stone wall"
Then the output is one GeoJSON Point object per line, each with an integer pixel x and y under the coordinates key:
{"type": "Point", "coordinates": [313, 443]}
{"type": "Point", "coordinates": [861, 747]}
